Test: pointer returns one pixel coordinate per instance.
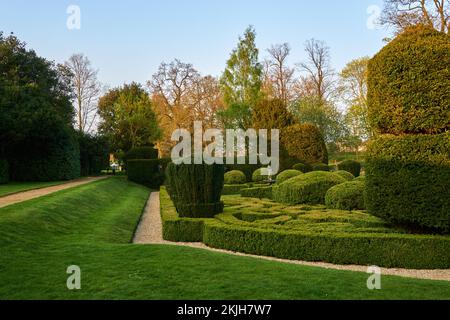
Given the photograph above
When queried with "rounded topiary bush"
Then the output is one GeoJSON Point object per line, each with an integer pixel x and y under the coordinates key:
{"type": "Point", "coordinates": [307, 188]}
{"type": "Point", "coordinates": [346, 196]}
{"type": "Point", "coordinates": [303, 167]}
{"type": "Point", "coordinates": [4, 171]}
{"type": "Point", "coordinates": [345, 174]}
{"type": "Point", "coordinates": [258, 177]}
{"type": "Point", "coordinates": [352, 166]}
{"type": "Point", "coordinates": [235, 177]}
{"type": "Point", "coordinates": [408, 180]}
{"type": "Point", "coordinates": [196, 189]}
{"type": "Point", "coordinates": [304, 142]}
{"type": "Point", "coordinates": [408, 83]}
{"type": "Point", "coordinates": [287, 174]}
{"type": "Point", "coordinates": [320, 167]}
{"type": "Point", "coordinates": [360, 178]}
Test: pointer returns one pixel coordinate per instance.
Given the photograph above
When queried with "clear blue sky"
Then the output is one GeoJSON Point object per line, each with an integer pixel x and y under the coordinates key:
{"type": "Point", "coordinates": [127, 40]}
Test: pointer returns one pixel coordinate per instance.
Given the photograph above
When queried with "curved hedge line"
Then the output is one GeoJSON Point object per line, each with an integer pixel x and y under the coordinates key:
{"type": "Point", "coordinates": [408, 83]}
{"type": "Point", "coordinates": [346, 196]}
{"type": "Point", "coordinates": [264, 192]}
{"type": "Point", "coordinates": [230, 189]}
{"type": "Point", "coordinates": [384, 250]}
{"type": "Point", "coordinates": [235, 177]}
{"type": "Point", "coordinates": [308, 188]}
{"type": "Point", "coordinates": [286, 175]}
{"type": "Point", "coordinates": [345, 174]}
{"type": "Point", "coordinates": [408, 180]}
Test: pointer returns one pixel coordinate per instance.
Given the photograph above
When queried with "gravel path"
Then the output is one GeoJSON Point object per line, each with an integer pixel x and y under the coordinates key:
{"type": "Point", "coordinates": [149, 231]}
{"type": "Point", "coordinates": [36, 193]}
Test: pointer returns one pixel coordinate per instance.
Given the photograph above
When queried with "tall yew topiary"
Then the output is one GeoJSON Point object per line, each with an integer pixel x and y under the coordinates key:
{"type": "Point", "coordinates": [408, 163]}
{"type": "Point", "coordinates": [196, 189]}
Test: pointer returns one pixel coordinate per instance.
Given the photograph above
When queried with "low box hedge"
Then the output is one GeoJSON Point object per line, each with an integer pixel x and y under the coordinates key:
{"type": "Point", "coordinates": [262, 192]}
{"type": "Point", "coordinates": [226, 231]}
{"type": "Point", "coordinates": [230, 189]}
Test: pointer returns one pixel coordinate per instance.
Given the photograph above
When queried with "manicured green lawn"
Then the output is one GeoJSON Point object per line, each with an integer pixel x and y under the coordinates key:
{"type": "Point", "coordinates": [13, 187]}
{"type": "Point", "coordinates": [91, 226]}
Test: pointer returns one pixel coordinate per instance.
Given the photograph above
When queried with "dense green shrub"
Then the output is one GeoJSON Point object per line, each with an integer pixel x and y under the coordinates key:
{"type": "Point", "coordinates": [286, 175]}
{"type": "Point", "coordinates": [308, 188]}
{"type": "Point", "coordinates": [148, 152]}
{"type": "Point", "coordinates": [247, 169]}
{"type": "Point", "coordinates": [235, 177]}
{"type": "Point", "coordinates": [257, 177]}
{"type": "Point", "coordinates": [196, 189]}
{"type": "Point", "coordinates": [408, 86]}
{"type": "Point", "coordinates": [304, 142]}
{"type": "Point", "coordinates": [346, 196]}
{"type": "Point", "coordinates": [58, 159]}
{"type": "Point", "coordinates": [175, 228]}
{"type": "Point", "coordinates": [320, 167]}
{"type": "Point", "coordinates": [408, 180]}
{"type": "Point", "coordinates": [345, 174]}
{"type": "Point", "coordinates": [147, 172]}
{"type": "Point", "coordinates": [94, 154]}
{"type": "Point", "coordinates": [303, 167]}
{"type": "Point", "coordinates": [384, 250]}
{"type": "Point", "coordinates": [264, 192]}
{"type": "Point", "coordinates": [360, 178]}
{"type": "Point", "coordinates": [352, 166]}
{"type": "Point", "coordinates": [4, 171]}
{"type": "Point", "coordinates": [231, 189]}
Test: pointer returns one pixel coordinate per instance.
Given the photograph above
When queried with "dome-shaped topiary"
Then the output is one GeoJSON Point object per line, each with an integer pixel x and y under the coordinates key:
{"type": "Point", "coordinates": [287, 174]}
{"type": "Point", "coordinates": [304, 142]}
{"type": "Point", "coordinates": [257, 177]}
{"type": "Point", "coordinates": [309, 188]}
{"type": "Point", "coordinates": [235, 177]}
{"type": "Point", "coordinates": [346, 196]}
{"type": "Point", "coordinates": [345, 174]}
{"type": "Point", "coordinates": [408, 83]}
{"type": "Point", "coordinates": [320, 167]}
{"type": "Point", "coordinates": [303, 167]}
{"type": "Point", "coordinates": [352, 166]}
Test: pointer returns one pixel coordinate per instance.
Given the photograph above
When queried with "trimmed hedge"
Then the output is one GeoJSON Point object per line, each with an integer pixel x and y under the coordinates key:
{"type": "Point", "coordinates": [408, 84]}
{"type": "Point", "coordinates": [147, 172]}
{"type": "Point", "coordinates": [175, 228]}
{"type": "Point", "coordinates": [384, 250]}
{"type": "Point", "coordinates": [346, 196]}
{"type": "Point", "coordinates": [352, 166]}
{"type": "Point", "coordinates": [345, 174]}
{"type": "Point", "coordinates": [287, 174]}
{"type": "Point", "coordinates": [58, 160]}
{"type": "Point", "coordinates": [196, 189]}
{"type": "Point", "coordinates": [257, 192]}
{"type": "Point", "coordinates": [257, 177]}
{"type": "Point", "coordinates": [4, 171]}
{"type": "Point", "coordinates": [303, 167]}
{"type": "Point", "coordinates": [408, 180]}
{"type": "Point", "coordinates": [94, 154]}
{"type": "Point", "coordinates": [321, 167]}
{"type": "Point", "coordinates": [308, 188]}
{"type": "Point", "coordinates": [231, 189]}
{"type": "Point", "coordinates": [235, 177]}
{"type": "Point", "coordinates": [138, 153]}
{"type": "Point", "coordinates": [304, 142]}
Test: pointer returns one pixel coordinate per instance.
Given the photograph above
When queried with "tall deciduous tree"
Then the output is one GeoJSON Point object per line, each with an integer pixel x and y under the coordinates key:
{"type": "Point", "coordinates": [128, 118]}
{"type": "Point", "coordinates": [319, 79]}
{"type": "Point", "coordinates": [278, 76]}
{"type": "Point", "coordinates": [86, 90]}
{"type": "Point", "coordinates": [401, 14]}
{"type": "Point", "coordinates": [353, 89]}
{"type": "Point", "coordinates": [242, 79]}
